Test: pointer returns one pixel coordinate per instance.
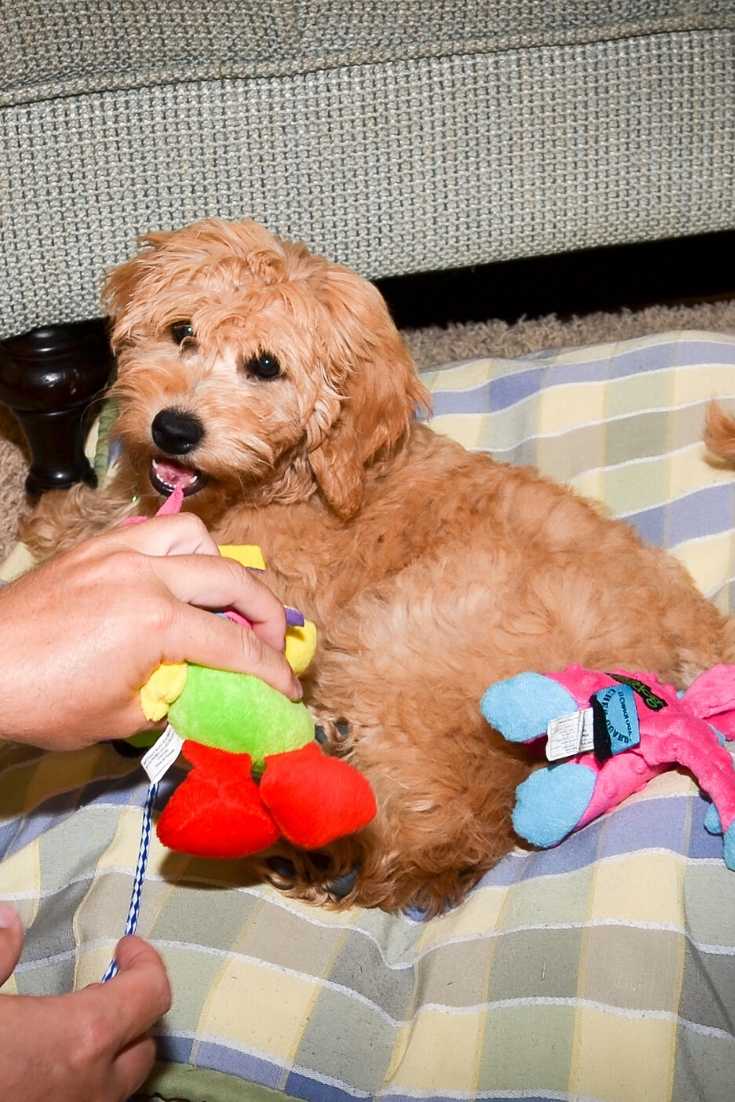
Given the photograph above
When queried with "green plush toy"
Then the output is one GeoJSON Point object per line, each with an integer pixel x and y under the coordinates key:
{"type": "Point", "coordinates": [240, 714]}
{"type": "Point", "coordinates": [258, 773]}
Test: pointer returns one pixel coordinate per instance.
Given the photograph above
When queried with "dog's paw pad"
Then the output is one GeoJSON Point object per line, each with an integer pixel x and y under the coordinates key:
{"type": "Point", "coordinates": [332, 734]}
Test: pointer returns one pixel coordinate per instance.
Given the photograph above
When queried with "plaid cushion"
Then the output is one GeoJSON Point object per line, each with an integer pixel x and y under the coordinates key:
{"type": "Point", "coordinates": [603, 969]}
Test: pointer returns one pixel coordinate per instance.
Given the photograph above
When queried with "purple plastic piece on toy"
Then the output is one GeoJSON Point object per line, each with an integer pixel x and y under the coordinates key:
{"type": "Point", "coordinates": [294, 618]}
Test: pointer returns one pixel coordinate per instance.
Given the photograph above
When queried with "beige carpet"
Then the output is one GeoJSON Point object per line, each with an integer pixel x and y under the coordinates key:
{"type": "Point", "coordinates": [433, 346]}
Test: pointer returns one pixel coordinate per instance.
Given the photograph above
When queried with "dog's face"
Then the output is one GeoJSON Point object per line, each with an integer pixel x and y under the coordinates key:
{"type": "Point", "coordinates": [248, 367]}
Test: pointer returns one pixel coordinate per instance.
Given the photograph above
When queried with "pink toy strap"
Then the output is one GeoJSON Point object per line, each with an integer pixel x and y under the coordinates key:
{"type": "Point", "coordinates": [170, 507]}
{"type": "Point", "coordinates": [172, 504]}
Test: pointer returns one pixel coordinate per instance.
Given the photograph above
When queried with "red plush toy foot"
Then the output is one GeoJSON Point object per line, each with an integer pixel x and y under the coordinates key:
{"type": "Point", "coordinates": [315, 798]}
{"type": "Point", "coordinates": [217, 811]}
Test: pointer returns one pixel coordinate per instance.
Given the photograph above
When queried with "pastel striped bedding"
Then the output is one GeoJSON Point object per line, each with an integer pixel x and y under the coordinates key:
{"type": "Point", "coordinates": [603, 970]}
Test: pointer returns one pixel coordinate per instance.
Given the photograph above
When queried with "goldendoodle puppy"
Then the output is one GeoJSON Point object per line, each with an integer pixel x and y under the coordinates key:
{"type": "Point", "coordinates": [274, 388]}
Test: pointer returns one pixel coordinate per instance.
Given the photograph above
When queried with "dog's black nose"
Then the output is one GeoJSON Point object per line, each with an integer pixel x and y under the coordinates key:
{"type": "Point", "coordinates": [176, 433]}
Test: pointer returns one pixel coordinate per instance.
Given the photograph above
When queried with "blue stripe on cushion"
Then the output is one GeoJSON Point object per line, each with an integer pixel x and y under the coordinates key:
{"type": "Point", "coordinates": [704, 512]}
{"type": "Point", "coordinates": [656, 823]}
{"type": "Point", "coordinates": [127, 791]}
{"type": "Point", "coordinates": [503, 392]}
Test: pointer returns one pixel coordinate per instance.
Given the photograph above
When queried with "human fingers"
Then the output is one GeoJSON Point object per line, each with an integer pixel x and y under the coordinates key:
{"type": "Point", "coordinates": [218, 583]}
{"type": "Point", "coordinates": [184, 534]}
{"type": "Point", "coordinates": [133, 1065]}
{"type": "Point", "coordinates": [208, 640]}
{"type": "Point", "coordinates": [137, 996]}
{"type": "Point", "coordinates": [11, 940]}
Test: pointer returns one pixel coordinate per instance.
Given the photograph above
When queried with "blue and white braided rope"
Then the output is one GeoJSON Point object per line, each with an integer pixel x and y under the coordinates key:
{"type": "Point", "coordinates": [145, 845]}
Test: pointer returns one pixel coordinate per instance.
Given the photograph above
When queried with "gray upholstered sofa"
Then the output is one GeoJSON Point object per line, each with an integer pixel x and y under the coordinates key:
{"type": "Point", "coordinates": [396, 135]}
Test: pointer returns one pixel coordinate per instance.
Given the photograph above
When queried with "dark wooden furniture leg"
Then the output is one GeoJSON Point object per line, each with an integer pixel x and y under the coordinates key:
{"type": "Point", "coordinates": [49, 378]}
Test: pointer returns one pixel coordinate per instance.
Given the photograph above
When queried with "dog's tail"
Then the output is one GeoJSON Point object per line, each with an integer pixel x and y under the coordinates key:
{"type": "Point", "coordinates": [719, 432]}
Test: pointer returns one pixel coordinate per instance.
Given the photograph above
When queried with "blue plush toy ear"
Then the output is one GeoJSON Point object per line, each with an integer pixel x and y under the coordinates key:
{"type": "Point", "coordinates": [551, 801]}
{"type": "Point", "coordinates": [521, 707]}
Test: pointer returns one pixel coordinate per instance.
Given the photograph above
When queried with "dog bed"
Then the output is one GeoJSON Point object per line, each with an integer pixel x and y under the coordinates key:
{"type": "Point", "coordinates": [603, 969]}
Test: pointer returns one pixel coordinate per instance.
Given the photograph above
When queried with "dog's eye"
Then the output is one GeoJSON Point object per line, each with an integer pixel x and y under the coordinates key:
{"type": "Point", "coordinates": [263, 366]}
{"type": "Point", "coordinates": [180, 330]}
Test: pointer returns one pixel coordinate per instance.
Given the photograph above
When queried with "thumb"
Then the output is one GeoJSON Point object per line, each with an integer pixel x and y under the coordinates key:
{"type": "Point", "coordinates": [11, 940]}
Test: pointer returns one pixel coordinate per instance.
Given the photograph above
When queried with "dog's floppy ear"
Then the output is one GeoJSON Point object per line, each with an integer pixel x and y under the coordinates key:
{"type": "Point", "coordinates": [371, 389]}
{"type": "Point", "coordinates": [121, 284]}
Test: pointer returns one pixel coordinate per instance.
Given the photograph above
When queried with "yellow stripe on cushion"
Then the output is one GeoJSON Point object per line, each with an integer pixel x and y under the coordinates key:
{"type": "Point", "coordinates": [270, 1020]}
{"type": "Point", "coordinates": [473, 431]}
{"type": "Point", "coordinates": [438, 1052]}
{"type": "Point", "coordinates": [645, 887]}
{"type": "Point", "coordinates": [122, 851]}
{"type": "Point", "coordinates": [467, 376]}
{"type": "Point", "coordinates": [572, 405]}
{"type": "Point", "coordinates": [20, 874]}
{"type": "Point", "coordinates": [651, 481]}
{"type": "Point", "coordinates": [18, 562]}
{"type": "Point", "coordinates": [618, 1057]}
{"type": "Point", "coordinates": [479, 914]}
{"type": "Point", "coordinates": [709, 560]}
{"type": "Point", "coordinates": [10, 987]}
{"type": "Point", "coordinates": [556, 410]}
{"type": "Point", "coordinates": [92, 960]}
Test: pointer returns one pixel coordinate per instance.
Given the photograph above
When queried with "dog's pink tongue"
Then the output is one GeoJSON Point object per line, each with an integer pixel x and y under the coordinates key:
{"type": "Point", "coordinates": [172, 504]}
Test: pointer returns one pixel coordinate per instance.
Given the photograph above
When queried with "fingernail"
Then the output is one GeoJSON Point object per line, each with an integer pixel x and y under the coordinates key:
{"type": "Point", "coordinates": [297, 689]}
{"type": "Point", "coordinates": [8, 916]}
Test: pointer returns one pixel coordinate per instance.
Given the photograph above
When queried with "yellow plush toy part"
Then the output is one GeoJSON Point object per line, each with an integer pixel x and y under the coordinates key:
{"type": "Point", "coordinates": [167, 683]}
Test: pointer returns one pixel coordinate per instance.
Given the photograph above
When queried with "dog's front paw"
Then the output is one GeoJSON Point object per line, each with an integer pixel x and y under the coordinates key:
{"type": "Point", "coordinates": [45, 530]}
{"type": "Point", "coordinates": [328, 877]}
{"type": "Point", "coordinates": [63, 518]}
{"type": "Point", "coordinates": [334, 735]}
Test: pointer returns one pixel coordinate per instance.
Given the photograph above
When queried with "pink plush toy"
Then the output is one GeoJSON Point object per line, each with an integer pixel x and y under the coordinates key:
{"type": "Point", "coordinates": [637, 727]}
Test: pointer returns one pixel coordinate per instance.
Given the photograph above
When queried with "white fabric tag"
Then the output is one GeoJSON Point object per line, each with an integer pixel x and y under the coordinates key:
{"type": "Point", "coordinates": [570, 735]}
{"type": "Point", "coordinates": [163, 753]}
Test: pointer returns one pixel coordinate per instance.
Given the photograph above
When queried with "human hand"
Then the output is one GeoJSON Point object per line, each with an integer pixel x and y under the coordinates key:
{"type": "Point", "coordinates": [82, 633]}
{"type": "Point", "coordinates": [90, 1045]}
